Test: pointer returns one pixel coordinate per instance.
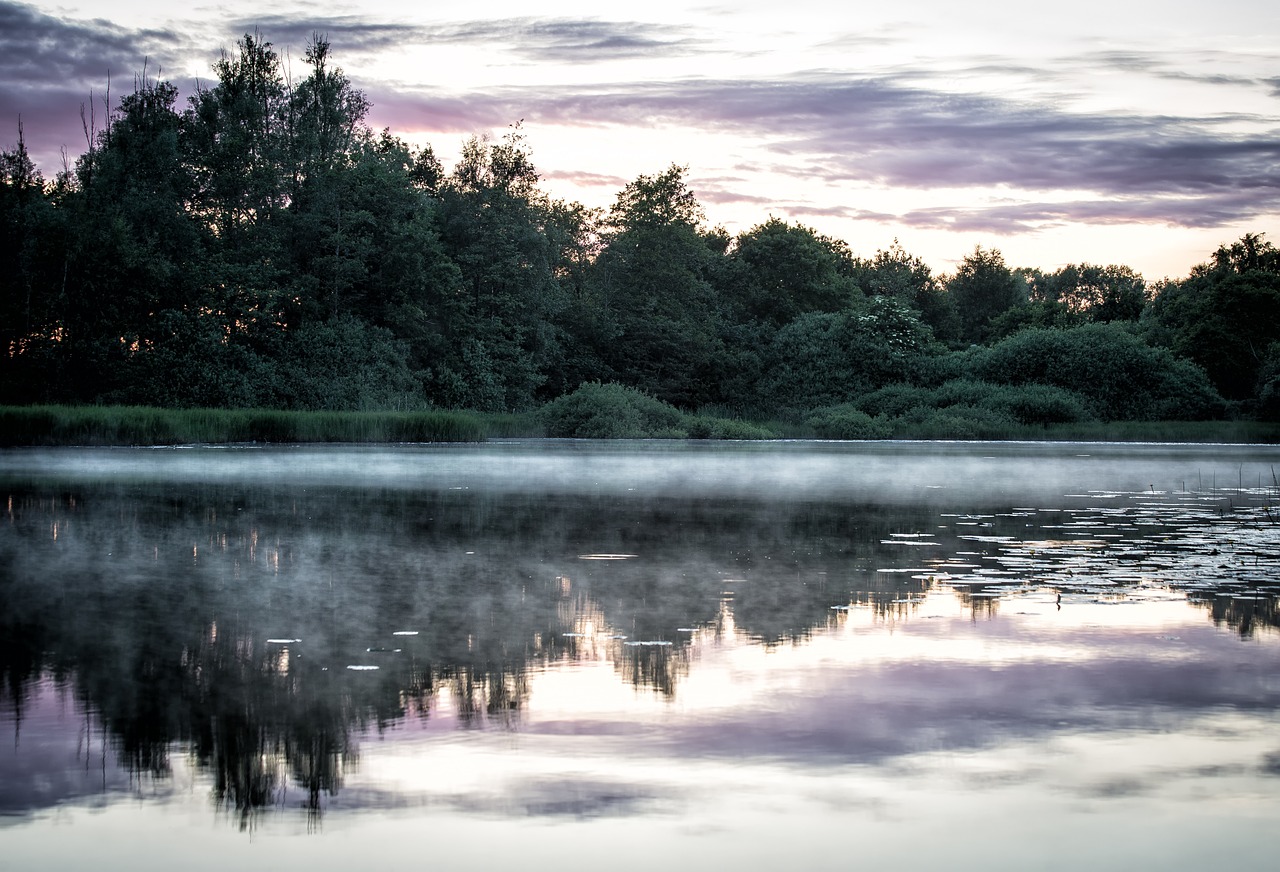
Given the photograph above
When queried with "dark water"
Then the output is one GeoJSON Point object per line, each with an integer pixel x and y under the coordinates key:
{"type": "Point", "coordinates": [572, 655]}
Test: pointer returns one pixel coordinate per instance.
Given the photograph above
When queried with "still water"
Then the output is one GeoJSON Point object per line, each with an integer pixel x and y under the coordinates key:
{"type": "Point", "coordinates": [570, 655]}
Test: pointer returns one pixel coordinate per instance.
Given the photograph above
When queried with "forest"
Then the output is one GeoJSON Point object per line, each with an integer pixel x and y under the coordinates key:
{"type": "Point", "coordinates": [261, 247]}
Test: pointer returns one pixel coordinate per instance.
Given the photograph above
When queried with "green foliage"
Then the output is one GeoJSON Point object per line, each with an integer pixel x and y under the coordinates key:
{"type": "Point", "coordinates": [658, 201]}
{"type": "Point", "coordinates": [905, 277]}
{"type": "Point", "coordinates": [895, 400]}
{"type": "Point", "coordinates": [962, 409]}
{"type": "Point", "coordinates": [981, 289]}
{"type": "Point", "coordinates": [704, 427]}
{"type": "Point", "coordinates": [847, 421]}
{"type": "Point", "coordinates": [344, 364]}
{"type": "Point", "coordinates": [651, 287]}
{"type": "Point", "coordinates": [1121, 377]}
{"type": "Point", "coordinates": [1224, 315]}
{"type": "Point", "coordinates": [1026, 404]}
{"type": "Point", "coordinates": [265, 248]}
{"type": "Point", "coordinates": [1269, 385]}
{"type": "Point", "coordinates": [193, 363]}
{"type": "Point", "coordinates": [958, 422]}
{"type": "Point", "coordinates": [824, 359]}
{"type": "Point", "coordinates": [1097, 293]}
{"type": "Point", "coordinates": [611, 411]}
{"type": "Point", "coordinates": [137, 425]}
{"type": "Point", "coordinates": [784, 271]}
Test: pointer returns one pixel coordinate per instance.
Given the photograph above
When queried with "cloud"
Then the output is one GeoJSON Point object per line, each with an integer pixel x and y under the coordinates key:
{"type": "Point", "coordinates": [576, 41]}
{"type": "Point", "coordinates": [1028, 217]}
{"type": "Point", "coordinates": [1186, 171]}
{"type": "Point", "coordinates": [539, 40]}
{"type": "Point", "coordinates": [50, 66]}
{"type": "Point", "coordinates": [42, 51]}
{"type": "Point", "coordinates": [346, 33]}
{"type": "Point", "coordinates": [905, 129]}
{"type": "Point", "coordinates": [588, 180]}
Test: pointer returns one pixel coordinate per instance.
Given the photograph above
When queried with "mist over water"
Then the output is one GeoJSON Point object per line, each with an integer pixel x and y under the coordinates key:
{"type": "Point", "coordinates": [892, 472]}
{"type": "Point", "coordinates": [687, 638]}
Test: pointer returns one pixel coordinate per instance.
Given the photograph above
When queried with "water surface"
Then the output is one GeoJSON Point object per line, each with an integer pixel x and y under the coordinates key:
{"type": "Point", "coordinates": [576, 654]}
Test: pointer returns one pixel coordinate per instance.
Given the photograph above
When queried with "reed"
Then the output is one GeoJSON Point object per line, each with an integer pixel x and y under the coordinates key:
{"type": "Point", "coordinates": [140, 425]}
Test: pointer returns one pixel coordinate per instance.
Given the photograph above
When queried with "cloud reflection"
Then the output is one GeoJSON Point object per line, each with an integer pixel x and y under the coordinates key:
{"type": "Point", "coordinates": [747, 613]}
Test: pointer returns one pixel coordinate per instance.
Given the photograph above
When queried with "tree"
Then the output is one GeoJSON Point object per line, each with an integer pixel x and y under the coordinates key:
{"type": "Point", "coordinates": [823, 359]}
{"type": "Point", "coordinates": [652, 283]}
{"type": "Point", "coordinates": [512, 245]}
{"type": "Point", "coordinates": [1093, 293]}
{"type": "Point", "coordinates": [785, 270]}
{"type": "Point", "coordinates": [29, 306]}
{"type": "Point", "coordinates": [1225, 315]}
{"type": "Point", "coordinates": [1122, 376]}
{"type": "Point", "coordinates": [134, 248]}
{"type": "Point", "coordinates": [982, 288]}
{"type": "Point", "coordinates": [235, 140]}
{"type": "Point", "coordinates": [895, 273]}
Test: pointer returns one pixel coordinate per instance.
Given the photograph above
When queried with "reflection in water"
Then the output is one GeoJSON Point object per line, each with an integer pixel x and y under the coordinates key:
{"type": "Point", "coordinates": [270, 631]}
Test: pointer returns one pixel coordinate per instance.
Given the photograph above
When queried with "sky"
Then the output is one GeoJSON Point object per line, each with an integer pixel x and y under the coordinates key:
{"type": "Point", "coordinates": [1144, 133]}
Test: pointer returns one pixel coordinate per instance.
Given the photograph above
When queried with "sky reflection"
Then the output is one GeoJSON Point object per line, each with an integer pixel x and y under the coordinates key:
{"type": "Point", "coordinates": [813, 670]}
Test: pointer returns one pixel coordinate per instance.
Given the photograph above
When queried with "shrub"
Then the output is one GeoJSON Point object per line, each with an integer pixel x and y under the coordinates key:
{"type": "Point", "coordinates": [847, 421]}
{"type": "Point", "coordinates": [1122, 377]}
{"type": "Point", "coordinates": [895, 400]}
{"type": "Point", "coordinates": [961, 422]}
{"type": "Point", "coordinates": [731, 428]}
{"type": "Point", "coordinates": [599, 410]}
{"type": "Point", "coordinates": [1026, 404]}
{"type": "Point", "coordinates": [821, 359]}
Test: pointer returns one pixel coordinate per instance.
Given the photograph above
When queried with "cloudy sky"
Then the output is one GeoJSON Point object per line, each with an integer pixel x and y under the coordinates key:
{"type": "Point", "coordinates": [1144, 133]}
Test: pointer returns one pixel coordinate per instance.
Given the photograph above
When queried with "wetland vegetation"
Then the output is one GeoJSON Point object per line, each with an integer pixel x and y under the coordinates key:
{"type": "Point", "coordinates": [260, 247]}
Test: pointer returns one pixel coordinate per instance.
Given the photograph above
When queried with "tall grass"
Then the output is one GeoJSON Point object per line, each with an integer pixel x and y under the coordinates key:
{"type": "Point", "coordinates": [1247, 432]}
{"type": "Point", "coordinates": [141, 425]}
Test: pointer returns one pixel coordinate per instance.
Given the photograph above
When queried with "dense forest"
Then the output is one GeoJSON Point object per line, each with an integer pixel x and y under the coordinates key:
{"type": "Point", "coordinates": [263, 247]}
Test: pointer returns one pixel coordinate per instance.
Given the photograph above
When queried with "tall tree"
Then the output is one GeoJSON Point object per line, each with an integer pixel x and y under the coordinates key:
{"type": "Point", "coordinates": [1095, 293]}
{"type": "Point", "coordinates": [511, 243]}
{"type": "Point", "coordinates": [896, 273]}
{"type": "Point", "coordinates": [135, 248]}
{"type": "Point", "coordinates": [30, 228]}
{"type": "Point", "coordinates": [325, 135]}
{"type": "Point", "coordinates": [236, 143]}
{"type": "Point", "coordinates": [652, 281]}
{"type": "Point", "coordinates": [1225, 315]}
{"type": "Point", "coordinates": [982, 288]}
{"type": "Point", "coordinates": [785, 270]}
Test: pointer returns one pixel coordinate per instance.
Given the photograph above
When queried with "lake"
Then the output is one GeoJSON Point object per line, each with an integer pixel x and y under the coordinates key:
{"type": "Point", "coordinates": [632, 655]}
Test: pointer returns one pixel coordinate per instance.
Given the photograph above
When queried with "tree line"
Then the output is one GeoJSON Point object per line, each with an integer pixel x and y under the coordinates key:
{"type": "Point", "coordinates": [263, 246]}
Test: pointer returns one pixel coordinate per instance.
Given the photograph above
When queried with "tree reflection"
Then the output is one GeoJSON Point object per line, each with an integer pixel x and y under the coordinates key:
{"type": "Point", "coordinates": [265, 628]}
{"type": "Point", "coordinates": [1246, 612]}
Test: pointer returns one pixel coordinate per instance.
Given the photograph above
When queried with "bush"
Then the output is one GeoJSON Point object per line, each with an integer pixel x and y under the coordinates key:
{"type": "Point", "coordinates": [1026, 404]}
{"type": "Point", "coordinates": [895, 400]}
{"type": "Point", "coordinates": [961, 422]}
{"type": "Point", "coordinates": [345, 365]}
{"type": "Point", "coordinates": [731, 428]}
{"type": "Point", "coordinates": [136, 425]}
{"type": "Point", "coordinates": [847, 421]}
{"type": "Point", "coordinates": [1121, 377]}
{"type": "Point", "coordinates": [1042, 404]}
{"type": "Point", "coordinates": [599, 410]}
{"type": "Point", "coordinates": [821, 359]}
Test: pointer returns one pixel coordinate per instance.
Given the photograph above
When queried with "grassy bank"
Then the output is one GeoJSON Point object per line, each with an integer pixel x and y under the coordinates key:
{"type": "Point", "coordinates": [1251, 432]}
{"type": "Point", "coordinates": [136, 425]}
